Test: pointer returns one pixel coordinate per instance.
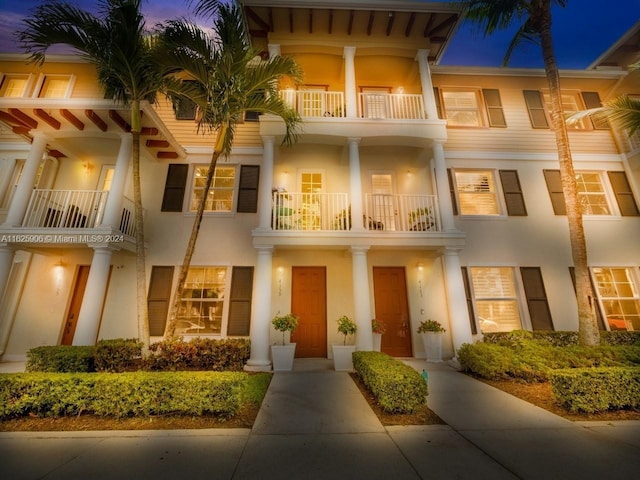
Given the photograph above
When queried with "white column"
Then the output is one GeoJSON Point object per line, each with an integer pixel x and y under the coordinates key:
{"type": "Point", "coordinates": [351, 98]}
{"type": "Point", "coordinates": [6, 261]}
{"type": "Point", "coordinates": [456, 300]}
{"type": "Point", "coordinates": [442, 185]}
{"type": "Point", "coordinates": [265, 198]}
{"type": "Point", "coordinates": [113, 208]}
{"type": "Point", "coordinates": [274, 50]}
{"type": "Point", "coordinates": [428, 95]}
{"type": "Point", "coordinates": [5, 176]}
{"type": "Point", "coordinates": [93, 300]}
{"type": "Point", "coordinates": [355, 186]}
{"type": "Point", "coordinates": [21, 198]}
{"type": "Point", "coordinates": [261, 312]}
{"type": "Point", "coordinates": [361, 298]}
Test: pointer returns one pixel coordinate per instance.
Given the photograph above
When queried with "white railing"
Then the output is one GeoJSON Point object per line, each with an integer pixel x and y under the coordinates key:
{"type": "Point", "coordinates": [310, 211]}
{"type": "Point", "coordinates": [127, 219]}
{"type": "Point", "coordinates": [405, 213]}
{"type": "Point", "coordinates": [391, 106]}
{"type": "Point", "coordinates": [315, 103]}
{"type": "Point", "coordinates": [65, 208]}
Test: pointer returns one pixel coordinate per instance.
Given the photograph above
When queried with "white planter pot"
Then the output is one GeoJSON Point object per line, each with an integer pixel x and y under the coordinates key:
{"type": "Point", "coordinates": [377, 342]}
{"type": "Point", "coordinates": [433, 346]}
{"type": "Point", "coordinates": [282, 357]}
{"type": "Point", "coordinates": [342, 357]}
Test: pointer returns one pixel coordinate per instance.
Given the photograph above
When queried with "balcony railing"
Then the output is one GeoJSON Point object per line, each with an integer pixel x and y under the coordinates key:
{"type": "Point", "coordinates": [314, 103]}
{"type": "Point", "coordinates": [65, 208]}
{"type": "Point", "coordinates": [391, 106]}
{"type": "Point", "coordinates": [127, 219]}
{"type": "Point", "coordinates": [309, 211]}
{"type": "Point", "coordinates": [404, 213]}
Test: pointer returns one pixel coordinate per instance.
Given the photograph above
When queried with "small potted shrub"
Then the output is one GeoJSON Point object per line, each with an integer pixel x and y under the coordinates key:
{"type": "Point", "coordinates": [342, 354]}
{"type": "Point", "coordinates": [378, 328]}
{"type": "Point", "coordinates": [431, 332]}
{"type": "Point", "coordinates": [282, 355]}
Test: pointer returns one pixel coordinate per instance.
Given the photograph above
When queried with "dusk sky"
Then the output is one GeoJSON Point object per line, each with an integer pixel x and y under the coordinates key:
{"type": "Point", "coordinates": [582, 31]}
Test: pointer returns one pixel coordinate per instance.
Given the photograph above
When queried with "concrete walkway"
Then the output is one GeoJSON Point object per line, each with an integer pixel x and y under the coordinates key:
{"type": "Point", "coordinates": [315, 424]}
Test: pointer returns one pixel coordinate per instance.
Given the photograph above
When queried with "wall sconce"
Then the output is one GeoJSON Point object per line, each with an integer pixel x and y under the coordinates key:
{"type": "Point", "coordinates": [58, 275]}
{"type": "Point", "coordinates": [420, 271]}
{"type": "Point", "coordinates": [280, 271]}
{"type": "Point", "coordinates": [88, 167]}
{"type": "Point", "coordinates": [400, 90]}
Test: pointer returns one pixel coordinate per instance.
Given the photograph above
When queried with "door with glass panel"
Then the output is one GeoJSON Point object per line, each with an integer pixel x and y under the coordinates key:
{"type": "Point", "coordinates": [310, 201]}
{"type": "Point", "coordinates": [382, 211]}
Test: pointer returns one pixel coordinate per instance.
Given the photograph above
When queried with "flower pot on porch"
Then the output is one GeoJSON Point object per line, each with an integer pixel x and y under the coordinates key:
{"type": "Point", "coordinates": [282, 357]}
{"type": "Point", "coordinates": [343, 357]}
{"type": "Point", "coordinates": [432, 342]}
{"type": "Point", "coordinates": [377, 342]}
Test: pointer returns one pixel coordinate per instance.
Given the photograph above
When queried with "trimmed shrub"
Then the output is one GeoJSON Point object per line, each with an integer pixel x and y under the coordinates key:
{"type": "Point", "coordinates": [620, 338]}
{"type": "Point", "coordinates": [597, 389]}
{"type": "Point", "coordinates": [199, 354]}
{"type": "Point", "coordinates": [61, 358]}
{"type": "Point", "coordinates": [560, 338]}
{"type": "Point", "coordinates": [397, 387]}
{"type": "Point", "coordinates": [122, 394]}
{"type": "Point", "coordinates": [118, 355]}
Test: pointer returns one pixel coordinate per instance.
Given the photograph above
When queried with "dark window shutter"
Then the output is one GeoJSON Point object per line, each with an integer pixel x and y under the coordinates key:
{"type": "Point", "coordinates": [592, 100]}
{"type": "Point", "coordinates": [599, 317]}
{"type": "Point", "coordinates": [436, 94]}
{"type": "Point", "coordinates": [554, 185]}
{"type": "Point", "coordinates": [452, 191]}
{"type": "Point", "coordinates": [240, 301]}
{"type": "Point", "coordinates": [493, 105]}
{"type": "Point", "coordinates": [536, 298]}
{"type": "Point", "coordinates": [623, 193]}
{"type": "Point", "coordinates": [185, 108]}
{"type": "Point", "coordinates": [512, 193]}
{"type": "Point", "coordinates": [174, 187]}
{"type": "Point", "coordinates": [158, 298]}
{"type": "Point", "coordinates": [535, 105]}
{"type": "Point", "coordinates": [467, 294]}
{"type": "Point", "coordinates": [248, 189]}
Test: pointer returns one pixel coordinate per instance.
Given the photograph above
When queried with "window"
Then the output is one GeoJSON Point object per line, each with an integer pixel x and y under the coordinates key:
{"type": "Point", "coordinates": [592, 193]}
{"type": "Point", "coordinates": [471, 107]}
{"type": "Point", "coordinates": [55, 86]}
{"type": "Point", "coordinates": [617, 290]}
{"type": "Point", "coordinates": [185, 108]}
{"type": "Point", "coordinates": [476, 191]}
{"type": "Point", "coordinates": [539, 106]}
{"type": "Point", "coordinates": [220, 196]}
{"type": "Point", "coordinates": [202, 303]}
{"type": "Point", "coordinates": [571, 103]}
{"type": "Point", "coordinates": [496, 300]}
{"type": "Point", "coordinates": [14, 85]}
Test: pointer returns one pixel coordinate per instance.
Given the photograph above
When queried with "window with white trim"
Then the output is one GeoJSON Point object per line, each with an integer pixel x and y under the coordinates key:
{"type": "Point", "coordinates": [462, 108]}
{"type": "Point", "coordinates": [496, 299]}
{"type": "Point", "coordinates": [55, 86]}
{"type": "Point", "coordinates": [591, 194]}
{"type": "Point", "coordinates": [477, 192]}
{"type": "Point", "coordinates": [202, 303]}
{"type": "Point", "coordinates": [571, 103]}
{"type": "Point", "coordinates": [220, 196]}
{"type": "Point", "coordinates": [617, 290]}
{"type": "Point", "coordinates": [14, 85]}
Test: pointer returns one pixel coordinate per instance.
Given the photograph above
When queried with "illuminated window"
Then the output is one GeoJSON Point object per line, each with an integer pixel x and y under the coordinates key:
{"type": "Point", "coordinates": [571, 103]}
{"type": "Point", "coordinates": [14, 85]}
{"type": "Point", "coordinates": [201, 306]}
{"type": "Point", "coordinates": [462, 108]}
{"type": "Point", "coordinates": [496, 299]}
{"type": "Point", "coordinates": [220, 196]}
{"type": "Point", "coordinates": [618, 294]}
{"type": "Point", "coordinates": [476, 190]}
{"type": "Point", "coordinates": [591, 194]}
{"type": "Point", "coordinates": [55, 86]}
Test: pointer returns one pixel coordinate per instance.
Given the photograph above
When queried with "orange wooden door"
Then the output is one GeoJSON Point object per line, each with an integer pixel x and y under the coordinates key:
{"type": "Point", "coordinates": [392, 308]}
{"type": "Point", "coordinates": [76, 302]}
{"type": "Point", "coordinates": [309, 303]}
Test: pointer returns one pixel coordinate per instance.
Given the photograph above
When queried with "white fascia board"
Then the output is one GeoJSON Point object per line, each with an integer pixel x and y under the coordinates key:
{"type": "Point", "coordinates": [524, 156]}
{"type": "Point", "coordinates": [385, 5]}
{"type": "Point", "coordinates": [525, 72]}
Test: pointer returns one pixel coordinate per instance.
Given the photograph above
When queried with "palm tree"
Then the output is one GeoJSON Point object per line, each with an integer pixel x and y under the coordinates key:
{"type": "Point", "coordinates": [535, 18]}
{"type": "Point", "coordinates": [117, 44]}
{"type": "Point", "coordinates": [227, 78]}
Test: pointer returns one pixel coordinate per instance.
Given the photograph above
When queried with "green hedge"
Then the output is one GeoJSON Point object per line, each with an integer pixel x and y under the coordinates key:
{"type": "Point", "coordinates": [118, 355]}
{"type": "Point", "coordinates": [397, 387]}
{"type": "Point", "coordinates": [531, 360]}
{"type": "Point", "coordinates": [560, 338]}
{"type": "Point", "coordinates": [597, 389]}
{"type": "Point", "coordinates": [229, 354]}
{"type": "Point", "coordinates": [61, 358]}
{"type": "Point", "coordinates": [121, 394]}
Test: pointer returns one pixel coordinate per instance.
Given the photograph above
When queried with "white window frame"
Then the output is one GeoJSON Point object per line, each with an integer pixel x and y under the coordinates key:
{"type": "Point", "coordinates": [634, 278]}
{"type": "Point", "coordinates": [234, 189]}
{"type": "Point", "coordinates": [480, 108]}
{"type": "Point", "coordinates": [575, 96]}
{"type": "Point", "coordinates": [500, 206]}
{"type": "Point", "coordinates": [27, 87]}
{"type": "Point", "coordinates": [42, 78]}
{"type": "Point", "coordinates": [607, 192]}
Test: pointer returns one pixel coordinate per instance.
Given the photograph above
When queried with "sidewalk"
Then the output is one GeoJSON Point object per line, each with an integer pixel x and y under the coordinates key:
{"type": "Point", "coordinates": [315, 424]}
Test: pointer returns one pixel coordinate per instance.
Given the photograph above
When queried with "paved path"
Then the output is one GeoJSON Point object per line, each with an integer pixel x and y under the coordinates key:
{"type": "Point", "coordinates": [314, 424]}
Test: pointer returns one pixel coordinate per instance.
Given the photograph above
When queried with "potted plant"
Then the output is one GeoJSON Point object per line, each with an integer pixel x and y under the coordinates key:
{"type": "Point", "coordinates": [342, 354]}
{"type": "Point", "coordinates": [282, 355]}
{"type": "Point", "coordinates": [378, 328]}
{"type": "Point", "coordinates": [431, 332]}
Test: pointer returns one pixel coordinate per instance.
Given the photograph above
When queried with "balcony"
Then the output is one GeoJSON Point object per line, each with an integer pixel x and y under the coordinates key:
{"type": "Point", "coordinates": [330, 212]}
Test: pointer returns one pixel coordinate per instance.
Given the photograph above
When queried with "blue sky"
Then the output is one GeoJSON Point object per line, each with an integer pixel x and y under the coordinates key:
{"type": "Point", "coordinates": [582, 31]}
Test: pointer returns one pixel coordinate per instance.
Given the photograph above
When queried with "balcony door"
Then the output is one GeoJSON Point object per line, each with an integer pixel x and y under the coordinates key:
{"type": "Point", "coordinates": [382, 209]}
{"type": "Point", "coordinates": [375, 101]}
{"type": "Point", "coordinates": [311, 200]}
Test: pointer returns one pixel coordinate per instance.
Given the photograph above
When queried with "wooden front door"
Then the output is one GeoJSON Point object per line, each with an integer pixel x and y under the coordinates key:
{"type": "Point", "coordinates": [309, 303]}
{"type": "Point", "coordinates": [76, 303]}
{"type": "Point", "coordinates": [390, 292]}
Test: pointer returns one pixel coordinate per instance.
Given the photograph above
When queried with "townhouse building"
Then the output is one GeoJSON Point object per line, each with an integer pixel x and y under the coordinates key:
{"type": "Point", "coordinates": [414, 191]}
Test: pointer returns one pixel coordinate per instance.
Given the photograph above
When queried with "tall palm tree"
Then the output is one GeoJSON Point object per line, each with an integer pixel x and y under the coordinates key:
{"type": "Point", "coordinates": [117, 44]}
{"type": "Point", "coordinates": [227, 78]}
{"type": "Point", "coordinates": [535, 18]}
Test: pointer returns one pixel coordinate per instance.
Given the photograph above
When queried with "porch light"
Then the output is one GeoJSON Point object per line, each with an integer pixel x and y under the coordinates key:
{"type": "Point", "coordinates": [58, 275]}
{"type": "Point", "coordinates": [420, 268]}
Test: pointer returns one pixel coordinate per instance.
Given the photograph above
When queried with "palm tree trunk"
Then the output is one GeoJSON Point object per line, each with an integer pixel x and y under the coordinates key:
{"type": "Point", "coordinates": [170, 329]}
{"type": "Point", "coordinates": [141, 283]}
{"type": "Point", "coordinates": [588, 332]}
